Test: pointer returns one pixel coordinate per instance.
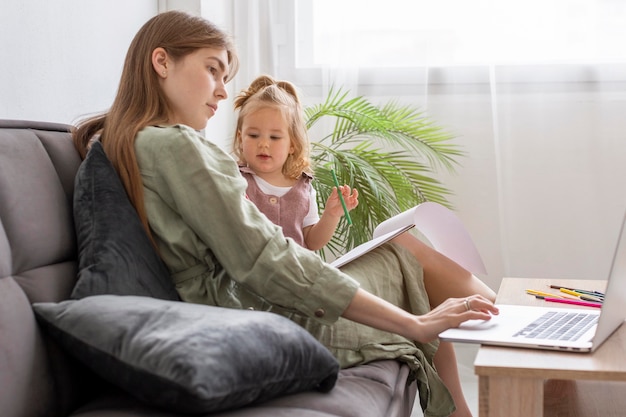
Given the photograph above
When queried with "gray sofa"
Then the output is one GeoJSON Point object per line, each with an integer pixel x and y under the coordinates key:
{"type": "Point", "coordinates": [38, 263]}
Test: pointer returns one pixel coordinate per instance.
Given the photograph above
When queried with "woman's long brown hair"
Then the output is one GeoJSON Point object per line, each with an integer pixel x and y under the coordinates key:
{"type": "Point", "coordinates": [140, 102]}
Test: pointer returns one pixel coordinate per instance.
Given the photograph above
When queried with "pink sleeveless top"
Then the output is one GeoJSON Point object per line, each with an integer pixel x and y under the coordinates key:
{"type": "Point", "coordinates": [287, 211]}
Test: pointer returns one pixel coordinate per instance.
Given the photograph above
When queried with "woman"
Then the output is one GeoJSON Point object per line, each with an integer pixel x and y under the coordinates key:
{"type": "Point", "coordinates": [221, 250]}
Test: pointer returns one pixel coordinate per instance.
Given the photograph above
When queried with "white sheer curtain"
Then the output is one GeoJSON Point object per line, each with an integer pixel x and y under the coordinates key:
{"type": "Point", "coordinates": [542, 186]}
{"type": "Point", "coordinates": [257, 35]}
{"type": "Point", "coordinates": [541, 189]}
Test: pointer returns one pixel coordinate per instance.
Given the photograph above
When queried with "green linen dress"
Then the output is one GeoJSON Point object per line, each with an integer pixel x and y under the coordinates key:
{"type": "Point", "coordinates": [221, 250]}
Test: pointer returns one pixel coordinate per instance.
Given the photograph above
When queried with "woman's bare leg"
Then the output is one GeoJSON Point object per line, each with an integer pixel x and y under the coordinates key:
{"type": "Point", "coordinates": [443, 277]}
{"type": "Point", "coordinates": [445, 362]}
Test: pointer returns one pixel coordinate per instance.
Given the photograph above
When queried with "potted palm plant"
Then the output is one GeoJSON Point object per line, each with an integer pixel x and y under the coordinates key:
{"type": "Point", "coordinates": [388, 152]}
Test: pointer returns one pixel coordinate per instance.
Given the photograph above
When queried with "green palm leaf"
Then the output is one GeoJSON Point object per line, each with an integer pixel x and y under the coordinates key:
{"type": "Point", "coordinates": [389, 153]}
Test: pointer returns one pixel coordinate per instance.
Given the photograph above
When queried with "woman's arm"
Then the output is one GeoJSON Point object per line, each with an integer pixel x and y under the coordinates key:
{"type": "Point", "coordinates": [373, 311]}
{"type": "Point", "coordinates": [198, 198]}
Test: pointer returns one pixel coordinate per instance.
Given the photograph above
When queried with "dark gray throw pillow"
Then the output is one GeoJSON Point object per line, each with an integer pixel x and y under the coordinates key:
{"type": "Point", "coordinates": [189, 358]}
{"type": "Point", "coordinates": [115, 255]}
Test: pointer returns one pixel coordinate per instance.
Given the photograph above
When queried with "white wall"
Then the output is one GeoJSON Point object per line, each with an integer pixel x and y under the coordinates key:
{"type": "Point", "coordinates": [62, 59]}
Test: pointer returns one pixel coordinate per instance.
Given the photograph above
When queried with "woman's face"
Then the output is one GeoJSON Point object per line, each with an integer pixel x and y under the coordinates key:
{"type": "Point", "coordinates": [194, 85]}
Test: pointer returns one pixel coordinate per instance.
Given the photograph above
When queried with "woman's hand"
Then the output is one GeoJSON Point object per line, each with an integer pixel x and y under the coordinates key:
{"type": "Point", "coordinates": [373, 311]}
{"type": "Point", "coordinates": [451, 313]}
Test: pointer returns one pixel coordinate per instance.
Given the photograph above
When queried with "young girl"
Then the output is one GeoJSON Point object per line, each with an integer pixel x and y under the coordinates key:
{"type": "Point", "coordinates": [272, 148]}
{"type": "Point", "coordinates": [221, 250]}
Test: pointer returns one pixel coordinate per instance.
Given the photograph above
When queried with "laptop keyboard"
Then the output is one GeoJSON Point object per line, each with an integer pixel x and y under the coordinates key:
{"type": "Point", "coordinates": [559, 326]}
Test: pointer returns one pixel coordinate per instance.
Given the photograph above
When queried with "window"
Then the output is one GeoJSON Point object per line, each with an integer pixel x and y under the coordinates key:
{"type": "Point", "coordinates": [399, 35]}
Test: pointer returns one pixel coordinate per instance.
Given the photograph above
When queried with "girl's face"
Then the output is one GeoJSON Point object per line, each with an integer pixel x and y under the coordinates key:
{"type": "Point", "coordinates": [194, 85]}
{"type": "Point", "coordinates": [266, 144]}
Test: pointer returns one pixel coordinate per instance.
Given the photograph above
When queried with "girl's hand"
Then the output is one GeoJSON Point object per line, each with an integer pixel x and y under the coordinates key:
{"type": "Point", "coordinates": [318, 235]}
{"type": "Point", "coordinates": [451, 313]}
{"type": "Point", "coordinates": [333, 204]}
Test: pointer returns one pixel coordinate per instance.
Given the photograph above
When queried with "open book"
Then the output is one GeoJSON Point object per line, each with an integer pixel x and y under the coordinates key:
{"type": "Point", "coordinates": [438, 224]}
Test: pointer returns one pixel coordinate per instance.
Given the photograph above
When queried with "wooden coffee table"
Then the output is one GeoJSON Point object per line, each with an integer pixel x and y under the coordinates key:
{"type": "Point", "coordinates": [516, 382]}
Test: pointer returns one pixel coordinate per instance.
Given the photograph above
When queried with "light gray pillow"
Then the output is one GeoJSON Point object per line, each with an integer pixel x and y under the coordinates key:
{"type": "Point", "coordinates": [189, 358]}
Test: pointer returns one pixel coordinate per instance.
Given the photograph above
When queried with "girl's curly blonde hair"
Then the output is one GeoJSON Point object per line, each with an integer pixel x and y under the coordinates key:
{"type": "Point", "coordinates": [266, 92]}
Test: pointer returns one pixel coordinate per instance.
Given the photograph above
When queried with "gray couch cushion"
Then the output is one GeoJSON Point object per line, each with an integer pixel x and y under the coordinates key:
{"type": "Point", "coordinates": [377, 389]}
{"type": "Point", "coordinates": [37, 263]}
{"type": "Point", "coordinates": [36, 213]}
{"type": "Point", "coordinates": [190, 358]}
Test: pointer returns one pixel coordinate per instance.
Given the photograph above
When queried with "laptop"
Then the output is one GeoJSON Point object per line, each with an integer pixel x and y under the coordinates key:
{"type": "Point", "coordinates": [528, 326]}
